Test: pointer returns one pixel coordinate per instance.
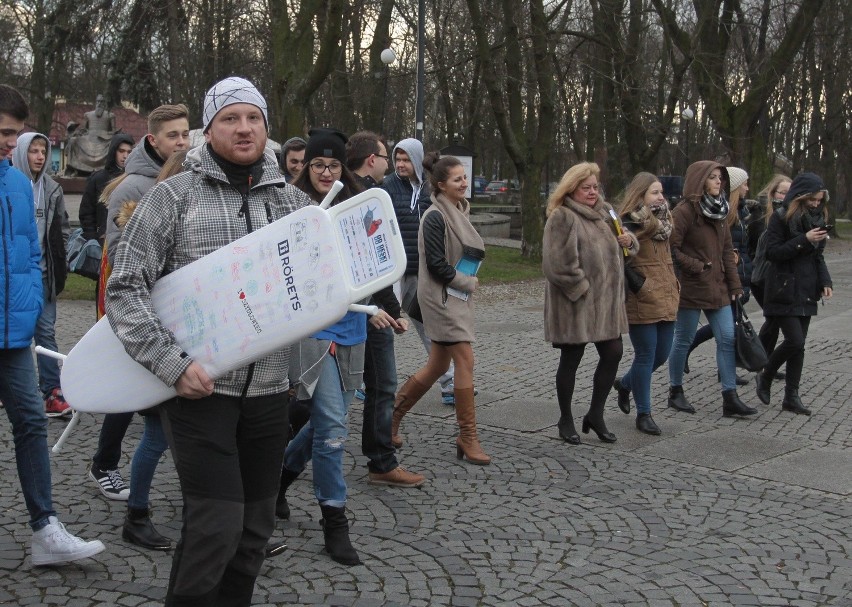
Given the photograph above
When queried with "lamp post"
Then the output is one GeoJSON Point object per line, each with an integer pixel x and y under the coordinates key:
{"type": "Point", "coordinates": [687, 115]}
{"type": "Point", "coordinates": [387, 57]}
{"type": "Point", "coordinates": [421, 70]}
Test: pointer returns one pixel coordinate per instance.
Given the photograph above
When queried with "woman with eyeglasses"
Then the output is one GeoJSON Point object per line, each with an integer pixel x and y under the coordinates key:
{"type": "Point", "coordinates": [704, 257]}
{"type": "Point", "coordinates": [796, 280]}
{"type": "Point", "coordinates": [583, 262]}
{"type": "Point", "coordinates": [328, 367]}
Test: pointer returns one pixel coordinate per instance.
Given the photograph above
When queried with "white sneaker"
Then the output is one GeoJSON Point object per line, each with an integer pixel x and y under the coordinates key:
{"type": "Point", "coordinates": [53, 545]}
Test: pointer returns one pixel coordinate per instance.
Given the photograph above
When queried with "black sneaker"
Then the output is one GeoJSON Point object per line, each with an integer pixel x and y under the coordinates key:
{"type": "Point", "coordinates": [110, 483]}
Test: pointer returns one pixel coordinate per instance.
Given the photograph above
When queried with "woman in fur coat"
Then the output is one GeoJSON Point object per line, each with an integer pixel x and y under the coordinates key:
{"type": "Point", "coordinates": [583, 262]}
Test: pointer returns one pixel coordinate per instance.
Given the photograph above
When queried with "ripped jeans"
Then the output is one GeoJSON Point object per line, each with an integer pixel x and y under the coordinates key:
{"type": "Point", "coordinates": [323, 438]}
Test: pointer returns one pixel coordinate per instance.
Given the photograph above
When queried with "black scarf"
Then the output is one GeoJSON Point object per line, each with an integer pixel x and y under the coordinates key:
{"type": "Point", "coordinates": [238, 174]}
{"type": "Point", "coordinates": [714, 208]}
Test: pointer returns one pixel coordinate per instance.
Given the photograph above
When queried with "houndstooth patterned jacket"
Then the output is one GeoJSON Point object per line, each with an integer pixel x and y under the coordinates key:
{"type": "Point", "coordinates": [177, 222]}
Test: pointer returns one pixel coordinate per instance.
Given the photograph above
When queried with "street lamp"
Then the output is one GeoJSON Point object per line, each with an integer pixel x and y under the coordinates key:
{"type": "Point", "coordinates": [387, 57]}
{"type": "Point", "coordinates": [687, 115]}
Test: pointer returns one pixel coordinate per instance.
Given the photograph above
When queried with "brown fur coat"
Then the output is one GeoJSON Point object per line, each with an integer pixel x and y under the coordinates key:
{"type": "Point", "coordinates": [584, 267]}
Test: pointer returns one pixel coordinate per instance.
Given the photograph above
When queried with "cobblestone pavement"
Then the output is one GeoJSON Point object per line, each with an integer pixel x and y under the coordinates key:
{"type": "Point", "coordinates": [716, 511]}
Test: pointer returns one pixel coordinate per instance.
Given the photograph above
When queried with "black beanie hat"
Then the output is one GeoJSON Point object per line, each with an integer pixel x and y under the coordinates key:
{"type": "Point", "coordinates": [329, 143]}
{"type": "Point", "coordinates": [804, 183]}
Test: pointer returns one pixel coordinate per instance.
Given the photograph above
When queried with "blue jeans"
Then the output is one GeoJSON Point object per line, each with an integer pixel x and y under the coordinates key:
{"type": "Point", "coordinates": [151, 447]}
{"type": "Point", "coordinates": [380, 391]}
{"type": "Point", "coordinates": [323, 438]}
{"type": "Point", "coordinates": [25, 409]}
{"type": "Point", "coordinates": [651, 346]}
{"type": "Point", "coordinates": [721, 322]}
{"type": "Point", "coordinates": [45, 336]}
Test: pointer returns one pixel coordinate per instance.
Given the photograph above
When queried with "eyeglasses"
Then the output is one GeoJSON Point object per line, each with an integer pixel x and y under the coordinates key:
{"type": "Point", "coordinates": [387, 158]}
{"type": "Point", "coordinates": [320, 167]}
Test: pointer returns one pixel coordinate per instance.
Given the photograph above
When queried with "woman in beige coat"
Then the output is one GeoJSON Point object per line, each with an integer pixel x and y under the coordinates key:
{"type": "Point", "coordinates": [445, 295]}
{"type": "Point", "coordinates": [652, 310]}
{"type": "Point", "coordinates": [584, 292]}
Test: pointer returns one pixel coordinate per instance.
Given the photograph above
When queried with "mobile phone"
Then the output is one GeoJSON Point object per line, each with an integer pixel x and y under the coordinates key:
{"type": "Point", "coordinates": [828, 227]}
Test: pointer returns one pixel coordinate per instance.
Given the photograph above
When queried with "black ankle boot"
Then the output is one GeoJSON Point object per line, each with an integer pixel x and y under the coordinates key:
{"type": "Point", "coordinates": [335, 528]}
{"type": "Point", "coordinates": [138, 529]}
{"type": "Point", "coordinates": [645, 423]}
{"type": "Point", "coordinates": [732, 405]}
{"type": "Point", "coordinates": [600, 429]}
{"type": "Point", "coordinates": [763, 384]}
{"type": "Point", "coordinates": [623, 396]}
{"type": "Point", "coordinates": [793, 403]}
{"type": "Point", "coordinates": [677, 400]}
{"type": "Point", "coordinates": [282, 508]}
{"type": "Point", "coordinates": [567, 431]}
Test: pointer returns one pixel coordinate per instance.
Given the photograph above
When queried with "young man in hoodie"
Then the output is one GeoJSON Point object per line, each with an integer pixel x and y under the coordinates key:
{"type": "Point", "coordinates": [21, 279]}
{"type": "Point", "coordinates": [410, 195]}
{"type": "Point", "coordinates": [168, 132]}
{"type": "Point", "coordinates": [227, 435]}
{"type": "Point", "coordinates": [93, 215]}
{"type": "Point", "coordinates": [31, 157]}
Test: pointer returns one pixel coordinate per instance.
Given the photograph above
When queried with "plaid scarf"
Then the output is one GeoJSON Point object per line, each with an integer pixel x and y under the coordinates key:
{"type": "Point", "coordinates": [714, 208]}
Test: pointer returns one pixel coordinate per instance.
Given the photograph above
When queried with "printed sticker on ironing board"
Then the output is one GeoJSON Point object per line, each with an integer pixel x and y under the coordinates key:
{"type": "Point", "coordinates": [252, 297]}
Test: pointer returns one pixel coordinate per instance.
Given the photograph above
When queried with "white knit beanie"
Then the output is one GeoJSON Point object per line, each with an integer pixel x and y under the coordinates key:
{"type": "Point", "coordinates": [229, 91]}
{"type": "Point", "coordinates": [736, 177]}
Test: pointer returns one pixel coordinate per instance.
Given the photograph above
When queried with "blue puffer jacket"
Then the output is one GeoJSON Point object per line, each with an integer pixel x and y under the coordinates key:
{"type": "Point", "coordinates": [20, 272]}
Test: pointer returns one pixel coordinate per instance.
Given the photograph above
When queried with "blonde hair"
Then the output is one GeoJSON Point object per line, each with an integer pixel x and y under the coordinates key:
{"type": "Point", "coordinates": [796, 205]}
{"type": "Point", "coordinates": [570, 181]}
{"type": "Point", "coordinates": [165, 113]}
{"type": "Point", "coordinates": [172, 166]}
{"type": "Point", "coordinates": [634, 199]}
{"type": "Point", "coordinates": [769, 193]}
{"type": "Point", "coordinates": [110, 188]}
{"type": "Point", "coordinates": [733, 208]}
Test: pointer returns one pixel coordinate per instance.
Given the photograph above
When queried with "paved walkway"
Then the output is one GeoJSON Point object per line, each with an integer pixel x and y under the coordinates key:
{"type": "Point", "coordinates": [715, 511]}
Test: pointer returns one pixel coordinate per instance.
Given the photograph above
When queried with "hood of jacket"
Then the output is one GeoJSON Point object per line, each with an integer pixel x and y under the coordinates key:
{"type": "Point", "coordinates": [414, 149]}
{"type": "Point", "coordinates": [19, 156]}
{"type": "Point", "coordinates": [697, 174]}
{"type": "Point", "coordinates": [140, 162]}
{"type": "Point", "coordinates": [803, 184]}
{"type": "Point", "coordinates": [111, 165]}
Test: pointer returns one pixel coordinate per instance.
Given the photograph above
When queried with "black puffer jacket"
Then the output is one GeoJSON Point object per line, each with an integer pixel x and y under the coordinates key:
{"type": "Point", "coordinates": [797, 273]}
{"type": "Point", "coordinates": [740, 241]}
{"type": "Point", "coordinates": [400, 191]}
{"type": "Point", "coordinates": [93, 215]}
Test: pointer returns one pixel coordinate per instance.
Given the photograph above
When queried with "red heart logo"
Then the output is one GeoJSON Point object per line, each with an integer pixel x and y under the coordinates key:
{"type": "Point", "coordinates": [242, 295]}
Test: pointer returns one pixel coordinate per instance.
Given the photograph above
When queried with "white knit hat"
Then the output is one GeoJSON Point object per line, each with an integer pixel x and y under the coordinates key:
{"type": "Point", "coordinates": [736, 177]}
{"type": "Point", "coordinates": [229, 91]}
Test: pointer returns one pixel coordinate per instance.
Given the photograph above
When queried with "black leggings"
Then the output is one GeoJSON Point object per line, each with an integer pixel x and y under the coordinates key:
{"type": "Point", "coordinates": [791, 350]}
{"type": "Point", "coordinates": [610, 352]}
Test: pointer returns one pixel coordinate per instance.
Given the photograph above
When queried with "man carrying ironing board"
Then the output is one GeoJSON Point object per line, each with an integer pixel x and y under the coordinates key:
{"type": "Point", "coordinates": [227, 436]}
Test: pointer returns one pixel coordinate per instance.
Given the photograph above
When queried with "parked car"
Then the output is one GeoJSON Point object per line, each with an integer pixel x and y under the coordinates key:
{"type": "Point", "coordinates": [501, 186]}
{"type": "Point", "coordinates": [479, 184]}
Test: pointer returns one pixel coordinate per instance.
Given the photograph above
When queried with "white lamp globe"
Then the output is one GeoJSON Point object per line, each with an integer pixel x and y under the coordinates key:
{"type": "Point", "coordinates": [688, 114]}
{"type": "Point", "coordinates": [388, 56]}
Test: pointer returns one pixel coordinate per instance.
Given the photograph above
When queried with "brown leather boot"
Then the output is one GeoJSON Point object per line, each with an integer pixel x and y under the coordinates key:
{"type": "Point", "coordinates": [407, 396]}
{"type": "Point", "coordinates": [467, 444]}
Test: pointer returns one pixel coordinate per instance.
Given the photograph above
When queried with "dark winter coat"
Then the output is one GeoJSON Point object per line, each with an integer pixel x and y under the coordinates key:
{"type": "Point", "coordinates": [741, 242]}
{"type": "Point", "coordinates": [697, 240]}
{"type": "Point", "coordinates": [401, 191]}
{"type": "Point", "coordinates": [93, 214]}
{"type": "Point", "coordinates": [797, 273]}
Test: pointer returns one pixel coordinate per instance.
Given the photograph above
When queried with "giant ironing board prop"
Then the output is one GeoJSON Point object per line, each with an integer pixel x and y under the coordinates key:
{"type": "Point", "coordinates": [261, 293]}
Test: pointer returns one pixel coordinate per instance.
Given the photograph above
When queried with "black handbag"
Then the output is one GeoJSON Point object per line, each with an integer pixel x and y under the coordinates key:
{"type": "Point", "coordinates": [633, 278]}
{"type": "Point", "coordinates": [751, 354]}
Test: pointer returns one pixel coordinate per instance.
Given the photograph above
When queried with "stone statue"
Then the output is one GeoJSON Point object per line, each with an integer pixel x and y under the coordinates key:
{"type": "Point", "coordinates": [88, 144]}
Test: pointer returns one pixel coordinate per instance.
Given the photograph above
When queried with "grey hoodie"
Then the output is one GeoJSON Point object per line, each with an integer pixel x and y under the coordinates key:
{"type": "Point", "coordinates": [140, 175]}
{"type": "Point", "coordinates": [49, 203]}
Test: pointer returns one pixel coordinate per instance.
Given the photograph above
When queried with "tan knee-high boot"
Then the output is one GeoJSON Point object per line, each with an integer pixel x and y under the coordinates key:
{"type": "Point", "coordinates": [467, 444]}
{"type": "Point", "coordinates": [407, 396]}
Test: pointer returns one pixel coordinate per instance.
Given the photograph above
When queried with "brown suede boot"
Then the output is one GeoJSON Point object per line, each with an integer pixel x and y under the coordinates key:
{"type": "Point", "coordinates": [407, 396]}
{"type": "Point", "coordinates": [467, 444]}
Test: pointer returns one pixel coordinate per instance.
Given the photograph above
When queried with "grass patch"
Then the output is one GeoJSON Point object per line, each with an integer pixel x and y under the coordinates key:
{"type": "Point", "coordinates": [501, 265]}
{"type": "Point", "coordinates": [844, 229]}
{"type": "Point", "coordinates": [78, 287]}
{"type": "Point", "coordinates": [508, 265]}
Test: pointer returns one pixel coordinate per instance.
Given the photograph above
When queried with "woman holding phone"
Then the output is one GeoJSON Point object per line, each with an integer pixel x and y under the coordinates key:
{"type": "Point", "coordinates": [796, 280]}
